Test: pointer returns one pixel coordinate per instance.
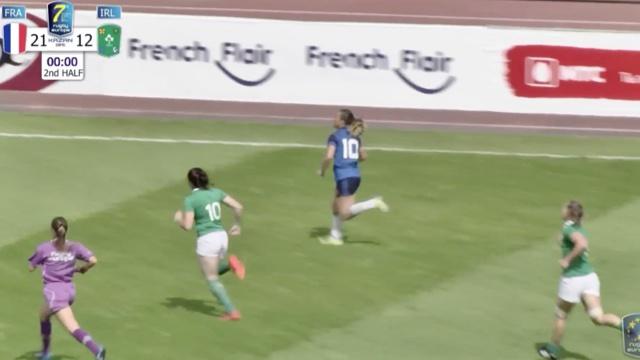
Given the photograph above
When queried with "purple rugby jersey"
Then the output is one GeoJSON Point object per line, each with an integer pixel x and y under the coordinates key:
{"type": "Point", "coordinates": [59, 266]}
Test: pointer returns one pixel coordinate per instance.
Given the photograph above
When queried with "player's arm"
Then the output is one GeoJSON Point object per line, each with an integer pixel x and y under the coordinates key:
{"type": "Point", "coordinates": [237, 209]}
{"type": "Point", "coordinates": [35, 260]}
{"type": "Point", "coordinates": [184, 219]}
{"type": "Point", "coordinates": [328, 158]}
{"type": "Point", "coordinates": [362, 154]}
{"type": "Point", "coordinates": [91, 262]}
{"type": "Point", "coordinates": [580, 245]}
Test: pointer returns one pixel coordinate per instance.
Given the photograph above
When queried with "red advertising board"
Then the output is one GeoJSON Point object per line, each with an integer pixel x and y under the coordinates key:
{"type": "Point", "coordinates": [542, 71]}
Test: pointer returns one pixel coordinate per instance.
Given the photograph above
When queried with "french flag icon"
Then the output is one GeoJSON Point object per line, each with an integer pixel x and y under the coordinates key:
{"type": "Point", "coordinates": [14, 38]}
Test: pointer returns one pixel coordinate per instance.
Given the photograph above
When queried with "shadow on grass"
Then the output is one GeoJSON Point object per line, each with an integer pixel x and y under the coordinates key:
{"type": "Point", "coordinates": [193, 305]}
{"type": "Point", "coordinates": [33, 355]}
{"type": "Point", "coordinates": [322, 231]}
{"type": "Point", "coordinates": [565, 354]}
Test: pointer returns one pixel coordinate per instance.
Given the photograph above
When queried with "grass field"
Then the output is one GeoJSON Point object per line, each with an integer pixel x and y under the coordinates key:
{"type": "Point", "coordinates": [463, 267]}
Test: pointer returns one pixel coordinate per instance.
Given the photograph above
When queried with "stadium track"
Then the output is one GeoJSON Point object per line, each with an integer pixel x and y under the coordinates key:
{"type": "Point", "coordinates": [555, 14]}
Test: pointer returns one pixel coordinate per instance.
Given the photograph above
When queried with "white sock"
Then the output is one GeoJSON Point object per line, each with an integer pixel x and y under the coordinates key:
{"type": "Point", "coordinates": [363, 206]}
{"type": "Point", "coordinates": [336, 227]}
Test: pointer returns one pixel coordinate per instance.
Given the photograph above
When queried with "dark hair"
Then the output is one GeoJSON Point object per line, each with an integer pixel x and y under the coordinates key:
{"type": "Point", "coordinates": [198, 178]}
{"type": "Point", "coordinates": [346, 116]}
{"type": "Point", "coordinates": [60, 226]}
{"type": "Point", "coordinates": [356, 128]}
{"type": "Point", "coordinates": [575, 211]}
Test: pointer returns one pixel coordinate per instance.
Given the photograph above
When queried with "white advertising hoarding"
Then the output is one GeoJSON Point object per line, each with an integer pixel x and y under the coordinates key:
{"type": "Point", "coordinates": [360, 64]}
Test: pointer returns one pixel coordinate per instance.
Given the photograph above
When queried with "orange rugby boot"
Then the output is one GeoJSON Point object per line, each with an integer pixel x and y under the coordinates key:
{"type": "Point", "coordinates": [232, 316]}
{"type": "Point", "coordinates": [237, 267]}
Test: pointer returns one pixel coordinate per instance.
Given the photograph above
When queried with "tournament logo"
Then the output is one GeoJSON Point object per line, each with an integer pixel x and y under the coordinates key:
{"type": "Point", "coordinates": [60, 17]}
{"type": "Point", "coordinates": [109, 40]}
{"type": "Point", "coordinates": [631, 335]}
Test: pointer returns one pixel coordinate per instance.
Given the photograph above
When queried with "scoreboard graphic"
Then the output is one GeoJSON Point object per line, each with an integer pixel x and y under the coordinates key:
{"type": "Point", "coordinates": [62, 44]}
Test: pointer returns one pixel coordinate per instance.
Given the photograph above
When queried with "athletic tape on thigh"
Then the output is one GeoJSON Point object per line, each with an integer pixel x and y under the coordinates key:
{"type": "Point", "coordinates": [560, 314]}
{"type": "Point", "coordinates": [595, 313]}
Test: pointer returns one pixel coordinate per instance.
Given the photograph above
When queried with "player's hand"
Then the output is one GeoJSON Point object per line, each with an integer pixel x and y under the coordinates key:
{"type": "Point", "coordinates": [564, 263]}
{"type": "Point", "coordinates": [177, 217]}
{"type": "Point", "coordinates": [320, 173]}
{"type": "Point", "coordinates": [235, 230]}
{"type": "Point", "coordinates": [81, 270]}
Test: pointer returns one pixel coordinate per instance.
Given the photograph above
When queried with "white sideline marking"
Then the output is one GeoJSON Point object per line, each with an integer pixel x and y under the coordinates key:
{"type": "Point", "coordinates": [312, 146]}
{"type": "Point", "coordinates": [178, 9]}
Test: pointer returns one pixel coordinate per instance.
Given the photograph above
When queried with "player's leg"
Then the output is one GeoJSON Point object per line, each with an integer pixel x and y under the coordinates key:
{"type": "Point", "coordinates": [348, 208]}
{"type": "Point", "coordinates": [68, 320]}
{"type": "Point", "coordinates": [373, 203]}
{"type": "Point", "coordinates": [335, 235]}
{"type": "Point", "coordinates": [551, 349]}
{"type": "Point", "coordinates": [209, 266]}
{"type": "Point", "coordinates": [45, 331]}
{"type": "Point", "coordinates": [210, 249]}
{"type": "Point", "coordinates": [345, 202]}
{"type": "Point", "coordinates": [569, 291]}
{"type": "Point", "coordinates": [336, 222]}
{"type": "Point", "coordinates": [563, 308]}
{"type": "Point", "coordinates": [593, 306]}
{"type": "Point", "coordinates": [233, 263]}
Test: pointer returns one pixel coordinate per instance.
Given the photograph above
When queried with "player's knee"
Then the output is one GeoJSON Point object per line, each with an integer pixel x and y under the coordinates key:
{"type": "Point", "coordinates": [345, 214]}
{"type": "Point", "coordinates": [596, 315]}
{"type": "Point", "coordinates": [44, 316]}
{"type": "Point", "coordinates": [561, 314]}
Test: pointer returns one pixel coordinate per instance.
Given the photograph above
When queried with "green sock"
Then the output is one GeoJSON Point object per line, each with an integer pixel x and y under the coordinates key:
{"type": "Point", "coordinates": [555, 349]}
{"type": "Point", "coordinates": [217, 289]}
{"type": "Point", "coordinates": [223, 266]}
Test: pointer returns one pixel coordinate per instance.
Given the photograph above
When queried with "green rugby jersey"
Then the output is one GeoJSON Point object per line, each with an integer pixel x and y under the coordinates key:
{"type": "Point", "coordinates": [206, 205]}
{"type": "Point", "coordinates": [580, 265]}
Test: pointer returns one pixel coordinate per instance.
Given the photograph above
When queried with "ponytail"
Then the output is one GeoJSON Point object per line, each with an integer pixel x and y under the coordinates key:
{"type": "Point", "coordinates": [356, 128]}
{"type": "Point", "coordinates": [346, 116]}
{"type": "Point", "coordinates": [60, 226]}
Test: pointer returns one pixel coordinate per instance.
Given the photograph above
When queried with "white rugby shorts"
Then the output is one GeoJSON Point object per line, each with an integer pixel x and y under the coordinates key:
{"type": "Point", "coordinates": [572, 288]}
{"type": "Point", "coordinates": [213, 244]}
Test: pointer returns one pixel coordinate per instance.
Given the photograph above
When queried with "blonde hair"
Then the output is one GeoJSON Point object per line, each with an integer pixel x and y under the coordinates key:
{"type": "Point", "coordinates": [575, 211]}
{"type": "Point", "coordinates": [356, 127]}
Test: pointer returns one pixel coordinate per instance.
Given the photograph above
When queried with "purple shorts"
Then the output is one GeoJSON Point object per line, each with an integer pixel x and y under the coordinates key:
{"type": "Point", "coordinates": [59, 295]}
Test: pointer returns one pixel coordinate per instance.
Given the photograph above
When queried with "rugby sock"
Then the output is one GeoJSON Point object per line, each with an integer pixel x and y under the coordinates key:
{"type": "Point", "coordinates": [45, 332]}
{"type": "Point", "coordinates": [223, 266]}
{"type": "Point", "coordinates": [218, 290]}
{"type": "Point", "coordinates": [84, 338]}
{"type": "Point", "coordinates": [553, 348]}
{"type": "Point", "coordinates": [363, 206]}
{"type": "Point", "coordinates": [336, 226]}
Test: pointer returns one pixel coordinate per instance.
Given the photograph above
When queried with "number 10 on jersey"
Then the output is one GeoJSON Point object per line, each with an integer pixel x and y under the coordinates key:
{"type": "Point", "coordinates": [214, 210]}
{"type": "Point", "coordinates": [350, 149]}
